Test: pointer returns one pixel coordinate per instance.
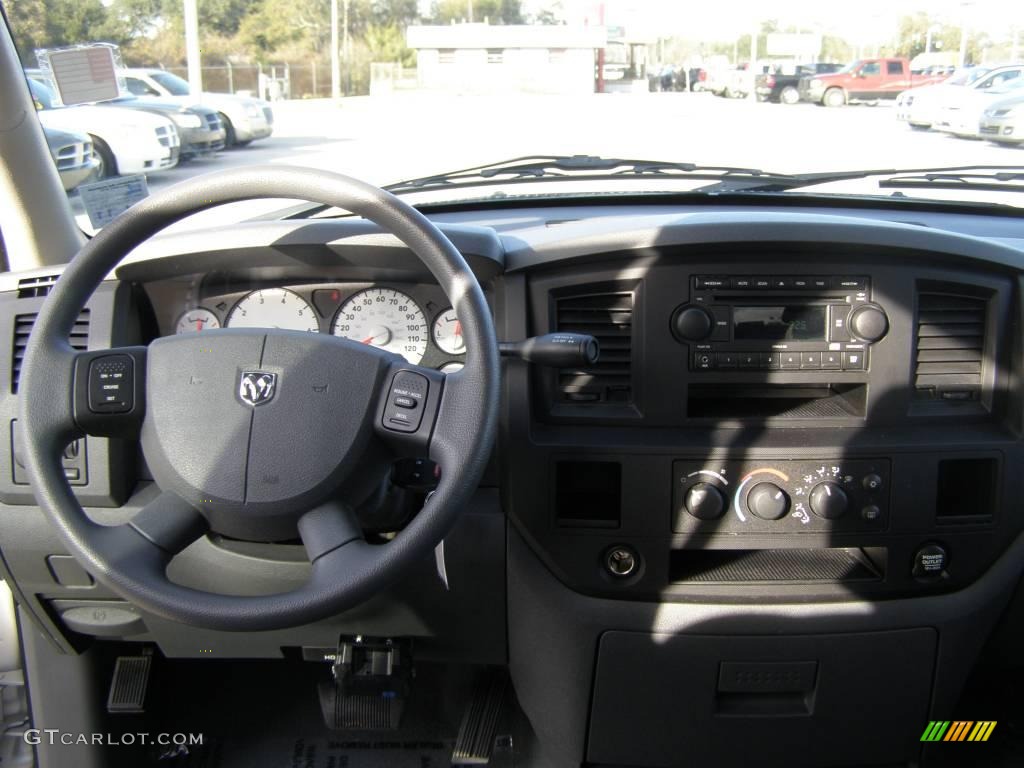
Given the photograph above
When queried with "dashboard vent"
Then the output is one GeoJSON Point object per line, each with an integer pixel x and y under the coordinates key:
{"type": "Point", "coordinates": [950, 346]}
{"type": "Point", "coordinates": [608, 316]}
{"type": "Point", "coordinates": [36, 287]}
{"type": "Point", "coordinates": [23, 324]}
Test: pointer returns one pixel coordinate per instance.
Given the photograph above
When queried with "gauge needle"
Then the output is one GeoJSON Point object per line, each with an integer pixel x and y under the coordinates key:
{"type": "Point", "coordinates": [458, 328]}
{"type": "Point", "coordinates": [199, 325]}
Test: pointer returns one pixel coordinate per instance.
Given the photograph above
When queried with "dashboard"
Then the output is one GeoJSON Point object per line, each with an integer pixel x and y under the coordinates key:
{"type": "Point", "coordinates": [413, 320]}
{"type": "Point", "coordinates": [799, 446]}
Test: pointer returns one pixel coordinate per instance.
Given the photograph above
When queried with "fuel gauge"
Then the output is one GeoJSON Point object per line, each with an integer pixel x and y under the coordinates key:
{"type": "Point", "coordinates": [198, 319]}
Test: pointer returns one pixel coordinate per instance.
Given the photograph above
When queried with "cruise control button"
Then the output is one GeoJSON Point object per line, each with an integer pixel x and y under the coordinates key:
{"type": "Point", "coordinates": [405, 402]}
{"type": "Point", "coordinates": [855, 361]}
{"type": "Point", "coordinates": [112, 384]}
{"type": "Point", "coordinates": [407, 387]}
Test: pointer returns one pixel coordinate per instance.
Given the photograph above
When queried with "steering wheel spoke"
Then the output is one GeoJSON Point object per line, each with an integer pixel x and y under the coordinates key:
{"type": "Point", "coordinates": [327, 528]}
{"type": "Point", "coordinates": [109, 391]}
{"type": "Point", "coordinates": [408, 406]}
{"type": "Point", "coordinates": [169, 523]}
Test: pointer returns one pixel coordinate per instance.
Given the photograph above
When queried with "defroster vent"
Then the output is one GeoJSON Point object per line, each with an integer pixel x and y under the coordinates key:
{"type": "Point", "coordinates": [950, 346]}
{"type": "Point", "coordinates": [23, 324]}
{"type": "Point", "coordinates": [608, 316]}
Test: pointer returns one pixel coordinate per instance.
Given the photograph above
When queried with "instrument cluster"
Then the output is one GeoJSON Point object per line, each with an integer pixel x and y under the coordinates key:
{"type": "Point", "coordinates": [411, 320]}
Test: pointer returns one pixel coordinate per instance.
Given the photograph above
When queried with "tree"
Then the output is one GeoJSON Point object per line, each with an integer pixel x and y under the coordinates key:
{"type": "Point", "coordinates": [495, 11]}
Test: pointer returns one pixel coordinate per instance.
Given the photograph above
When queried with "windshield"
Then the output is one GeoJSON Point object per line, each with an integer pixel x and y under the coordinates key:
{"type": "Point", "coordinates": [400, 90]}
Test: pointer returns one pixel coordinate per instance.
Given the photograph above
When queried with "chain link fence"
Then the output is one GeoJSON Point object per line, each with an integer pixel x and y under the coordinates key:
{"type": "Point", "coordinates": [288, 80]}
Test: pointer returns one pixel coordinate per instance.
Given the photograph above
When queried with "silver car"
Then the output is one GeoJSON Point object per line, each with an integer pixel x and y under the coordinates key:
{"type": "Point", "coordinates": [1003, 121]}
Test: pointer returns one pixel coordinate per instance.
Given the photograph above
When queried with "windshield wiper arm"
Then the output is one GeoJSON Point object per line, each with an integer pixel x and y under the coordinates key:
{"type": "Point", "coordinates": [995, 178]}
{"type": "Point", "coordinates": [576, 167]}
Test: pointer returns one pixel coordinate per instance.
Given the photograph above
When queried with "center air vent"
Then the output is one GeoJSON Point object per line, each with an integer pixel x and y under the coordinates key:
{"type": "Point", "coordinates": [608, 316]}
{"type": "Point", "coordinates": [23, 324]}
{"type": "Point", "coordinates": [950, 346]}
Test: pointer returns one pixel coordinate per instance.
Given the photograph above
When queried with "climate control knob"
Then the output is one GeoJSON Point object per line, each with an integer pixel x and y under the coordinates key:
{"type": "Point", "coordinates": [768, 501]}
{"type": "Point", "coordinates": [692, 323]}
{"type": "Point", "coordinates": [704, 501]}
{"type": "Point", "coordinates": [868, 323]}
{"type": "Point", "coordinates": [828, 500]}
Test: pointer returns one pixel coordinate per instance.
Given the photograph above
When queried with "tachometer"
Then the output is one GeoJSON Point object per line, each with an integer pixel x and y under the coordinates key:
{"type": "Point", "coordinates": [273, 308]}
{"type": "Point", "coordinates": [385, 318]}
{"type": "Point", "coordinates": [198, 319]}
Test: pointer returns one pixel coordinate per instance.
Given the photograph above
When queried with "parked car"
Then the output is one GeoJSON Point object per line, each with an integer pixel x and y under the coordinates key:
{"type": "Point", "coordinates": [245, 118]}
{"type": "Point", "coordinates": [72, 154]}
{"type": "Point", "coordinates": [1003, 121]}
{"type": "Point", "coordinates": [864, 80]}
{"type": "Point", "coordinates": [919, 107]}
{"type": "Point", "coordinates": [124, 141]}
{"type": "Point", "coordinates": [962, 116]}
{"type": "Point", "coordinates": [784, 87]}
{"type": "Point", "coordinates": [200, 129]}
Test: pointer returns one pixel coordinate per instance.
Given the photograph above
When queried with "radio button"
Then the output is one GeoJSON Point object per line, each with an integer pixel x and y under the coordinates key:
{"type": "Point", "coordinates": [810, 360]}
{"type": "Point", "coordinates": [748, 359]}
{"type": "Point", "coordinates": [789, 360]}
{"type": "Point", "coordinates": [692, 323]}
{"type": "Point", "coordinates": [837, 319]}
{"type": "Point", "coordinates": [726, 360]}
{"type": "Point", "coordinates": [742, 283]}
{"type": "Point", "coordinates": [762, 283]}
{"type": "Point", "coordinates": [802, 283]}
{"type": "Point", "coordinates": [850, 283]}
{"type": "Point", "coordinates": [782, 282]}
{"type": "Point", "coordinates": [771, 361]}
{"type": "Point", "coordinates": [703, 361]}
{"type": "Point", "coordinates": [831, 361]}
{"type": "Point", "coordinates": [820, 283]}
{"type": "Point", "coordinates": [708, 282]}
{"type": "Point", "coordinates": [720, 323]}
{"type": "Point", "coordinates": [855, 360]}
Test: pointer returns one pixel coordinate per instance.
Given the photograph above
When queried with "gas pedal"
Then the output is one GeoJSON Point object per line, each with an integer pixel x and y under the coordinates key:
{"type": "Point", "coordinates": [129, 684]}
{"type": "Point", "coordinates": [480, 723]}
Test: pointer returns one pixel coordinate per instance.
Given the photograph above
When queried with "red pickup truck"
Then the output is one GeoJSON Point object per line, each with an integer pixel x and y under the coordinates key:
{"type": "Point", "coordinates": [864, 80]}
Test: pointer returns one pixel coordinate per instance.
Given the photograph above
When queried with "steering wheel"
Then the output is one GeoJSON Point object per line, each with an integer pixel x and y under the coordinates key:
{"type": "Point", "coordinates": [252, 433]}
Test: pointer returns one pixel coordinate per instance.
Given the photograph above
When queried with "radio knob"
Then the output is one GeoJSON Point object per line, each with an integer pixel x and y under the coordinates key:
{"type": "Point", "coordinates": [704, 501]}
{"type": "Point", "coordinates": [869, 323]}
{"type": "Point", "coordinates": [828, 500]}
{"type": "Point", "coordinates": [693, 323]}
{"type": "Point", "coordinates": [768, 501]}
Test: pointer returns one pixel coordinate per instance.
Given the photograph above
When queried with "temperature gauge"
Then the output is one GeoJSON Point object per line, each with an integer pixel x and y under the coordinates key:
{"type": "Point", "coordinates": [448, 333]}
{"type": "Point", "coordinates": [198, 319]}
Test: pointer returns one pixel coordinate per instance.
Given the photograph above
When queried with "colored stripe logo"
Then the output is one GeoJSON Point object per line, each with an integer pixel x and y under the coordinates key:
{"type": "Point", "coordinates": [958, 730]}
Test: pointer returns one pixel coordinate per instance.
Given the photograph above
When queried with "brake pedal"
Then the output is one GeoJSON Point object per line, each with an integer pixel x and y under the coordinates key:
{"type": "Point", "coordinates": [129, 683]}
{"type": "Point", "coordinates": [370, 685]}
{"type": "Point", "coordinates": [480, 723]}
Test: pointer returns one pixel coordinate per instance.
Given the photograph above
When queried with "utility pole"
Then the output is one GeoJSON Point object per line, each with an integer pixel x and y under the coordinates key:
{"type": "Point", "coordinates": [751, 67]}
{"type": "Point", "coordinates": [335, 59]}
{"type": "Point", "coordinates": [348, 54]}
{"type": "Point", "coordinates": [192, 51]}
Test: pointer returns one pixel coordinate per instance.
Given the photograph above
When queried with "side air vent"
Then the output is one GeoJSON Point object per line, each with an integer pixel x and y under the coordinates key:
{"type": "Point", "coordinates": [79, 339]}
{"type": "Point", "coordinates": [608, 316]}
{"type": "Point", "coordinates": [950, 346]}
{"type": "Point", "coordinates": [36, 287]}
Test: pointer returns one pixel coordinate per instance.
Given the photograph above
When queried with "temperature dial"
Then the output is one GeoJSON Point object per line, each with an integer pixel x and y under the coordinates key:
{"type": "Point", "coordinates": [828, 500]}
{"type": "Point", "coordinates": [768, 501]}
{"type": "Point", "coordinates": [704, 501]}
{"type": "Point", "coordinates": [448, 333]}
{"type": "Point", "coordinates": [198, 319]}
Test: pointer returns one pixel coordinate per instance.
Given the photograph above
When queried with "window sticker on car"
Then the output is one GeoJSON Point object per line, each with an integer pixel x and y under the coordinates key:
{"type": "Point", "coordinates": [82, 74]}
{"type": "Point", "coordinates": [106, 200]}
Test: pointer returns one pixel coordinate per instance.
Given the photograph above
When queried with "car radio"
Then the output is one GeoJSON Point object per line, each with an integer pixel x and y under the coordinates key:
{"type": "Point", "coordinates": [780, 322]}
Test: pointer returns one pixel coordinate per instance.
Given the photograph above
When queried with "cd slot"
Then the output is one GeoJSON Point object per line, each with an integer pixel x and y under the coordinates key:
{"type": "Point", "coordinates": [776, 401]}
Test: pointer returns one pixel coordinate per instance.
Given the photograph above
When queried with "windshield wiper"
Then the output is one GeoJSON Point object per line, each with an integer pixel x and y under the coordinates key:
{"type": "Point", "coordinates": [577, 167]}
{"type": "Point", "coordinates": [982, 178]}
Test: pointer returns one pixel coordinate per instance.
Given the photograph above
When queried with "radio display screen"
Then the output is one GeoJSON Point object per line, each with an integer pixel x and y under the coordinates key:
{"type": "Point", "coordinates": [800, 322]}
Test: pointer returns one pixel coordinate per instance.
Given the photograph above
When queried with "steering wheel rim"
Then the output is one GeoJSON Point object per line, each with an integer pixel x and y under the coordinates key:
{"type": "Point", "coordinates": [131, 559]}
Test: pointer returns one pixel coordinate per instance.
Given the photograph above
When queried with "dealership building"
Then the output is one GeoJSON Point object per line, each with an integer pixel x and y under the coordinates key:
{"type": "Point", "coordinates": [461, 58]}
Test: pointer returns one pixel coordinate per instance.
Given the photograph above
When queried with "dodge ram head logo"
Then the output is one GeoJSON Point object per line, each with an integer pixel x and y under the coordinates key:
{"type": "Point", "coordinates": [257, 387]}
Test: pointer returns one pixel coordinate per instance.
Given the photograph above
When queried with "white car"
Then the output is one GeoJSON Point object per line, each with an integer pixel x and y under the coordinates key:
{"type": "Point", "coordinates": [961, 116]}
{"type": "Point", "coordinates": [919, 107]}
{"type": "Point", "coordinates": [245, 118]}
{"type": "Point", "coordinates": [124, 141]}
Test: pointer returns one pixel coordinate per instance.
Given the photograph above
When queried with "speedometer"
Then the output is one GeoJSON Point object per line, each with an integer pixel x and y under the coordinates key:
{"type": "Point", "coordinates": [273, 308]}
{"type": "Point", "coordinates": [385, 318]}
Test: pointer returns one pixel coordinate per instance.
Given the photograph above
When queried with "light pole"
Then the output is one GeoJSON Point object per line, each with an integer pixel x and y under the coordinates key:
{"type": "Point", "coordinates": [192, 51]}
{"type": "Point", "coordinates": [335, 58]}
{"type": "Point", "coordinates": [348, 54]}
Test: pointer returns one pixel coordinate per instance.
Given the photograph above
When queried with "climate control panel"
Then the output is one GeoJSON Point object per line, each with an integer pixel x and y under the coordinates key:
{"type": "Point", "coordinates": [785, 496]}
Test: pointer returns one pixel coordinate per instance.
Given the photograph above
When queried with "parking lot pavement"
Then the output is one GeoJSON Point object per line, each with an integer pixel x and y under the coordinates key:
{"type": "Point", "coordinates": [388, 138]}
